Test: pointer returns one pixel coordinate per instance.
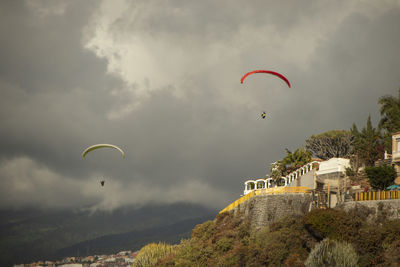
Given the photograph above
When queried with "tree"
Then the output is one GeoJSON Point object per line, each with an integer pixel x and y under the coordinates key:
{"type": "Point", "coordinates": [380, 177]}
{"type": "Point", "coordinates": [277, 170]}
{"type": "Point", "coordinates": [367, 143]}
{"type": "Point", "coordinates": [390, 121]}
{"type": "Point", "coordinates": [332, 144]}
{"type": "Point", "coordinates": [295, 160]}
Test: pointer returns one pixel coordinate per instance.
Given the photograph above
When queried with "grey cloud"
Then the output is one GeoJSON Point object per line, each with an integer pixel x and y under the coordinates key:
{"type": "Point", "coordinates": [46, 53]}
{"type": "Point", "coordinates": [57, 97]}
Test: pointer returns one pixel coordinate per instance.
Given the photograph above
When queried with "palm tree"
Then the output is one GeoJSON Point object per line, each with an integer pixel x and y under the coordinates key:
{"type": "Point", "coordinates": [296, 159]}
{"type": "Point", "coordinates": [390, 122]}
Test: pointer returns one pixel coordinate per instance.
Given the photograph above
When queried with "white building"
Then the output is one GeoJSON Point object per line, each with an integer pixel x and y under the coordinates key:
{"type": "Point", "coordinates": [307, 175]}
{"type": "Point", "coordinates": [333, 166]}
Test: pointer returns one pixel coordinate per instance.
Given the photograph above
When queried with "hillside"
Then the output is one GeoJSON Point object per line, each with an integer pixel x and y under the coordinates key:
{"type": "Point", "coordinates": [28, 235]}
{"type": "Point", "coordinates": [229, 240]}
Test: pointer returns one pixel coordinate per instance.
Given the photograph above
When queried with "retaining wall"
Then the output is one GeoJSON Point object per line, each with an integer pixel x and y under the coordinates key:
{"type": "Point", "coordinates": [263, 210]}
{"type": "Point", "coordinates": [387, 208]}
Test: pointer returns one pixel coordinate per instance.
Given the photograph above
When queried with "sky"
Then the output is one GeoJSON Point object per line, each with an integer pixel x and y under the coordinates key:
{"type": "Point", "coordinates": [161, 80]}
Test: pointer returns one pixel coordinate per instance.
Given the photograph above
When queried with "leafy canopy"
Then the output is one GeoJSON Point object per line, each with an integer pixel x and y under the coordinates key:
{"type": "Point", "coordinates": [367, 143]}
{"type": "Point", "coordinates": [390, 121]}
{"type": "Point", "coordinates": [291, 162]}
{"type": "Point", "coordinates": [381, 177]}
{"type": "Point", "coordinates": [331, 144]}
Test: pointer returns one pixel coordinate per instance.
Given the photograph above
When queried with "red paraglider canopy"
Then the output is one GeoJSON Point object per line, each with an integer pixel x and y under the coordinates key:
{"type": "Point", "coordinates": [266, 71]}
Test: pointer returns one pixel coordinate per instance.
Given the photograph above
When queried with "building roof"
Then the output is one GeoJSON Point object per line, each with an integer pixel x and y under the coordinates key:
{"type": "Point", "coordinates": [316, 159]}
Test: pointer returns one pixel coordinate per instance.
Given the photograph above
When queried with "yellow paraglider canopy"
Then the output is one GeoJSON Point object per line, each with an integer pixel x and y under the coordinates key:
{"type": "Point", "coordinates": [94, 147]}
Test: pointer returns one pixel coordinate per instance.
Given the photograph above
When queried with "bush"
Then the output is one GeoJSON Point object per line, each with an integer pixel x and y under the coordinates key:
{"type": "Point", "coordinates": [332, 253]}
{"type": "Point", "coordinates": [392, 254]}
{"type": "Point", "coordinates": [374, 240]}
{"type": "Point", "coordinates": [204, 231]}
{"type": "Point", "coordinates": [285, 243]}
{"type": "Point", "coordinates": [335, 224]}
{"type": "Point", "coordinates": [224, 244]}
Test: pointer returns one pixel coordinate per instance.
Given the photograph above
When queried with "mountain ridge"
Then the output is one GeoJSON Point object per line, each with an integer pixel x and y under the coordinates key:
{"type": "Point", "coordinates": [30, 234]}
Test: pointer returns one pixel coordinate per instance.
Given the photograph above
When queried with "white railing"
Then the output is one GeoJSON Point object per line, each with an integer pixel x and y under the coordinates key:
{"type": "Point", "coordinates": [251, 185]}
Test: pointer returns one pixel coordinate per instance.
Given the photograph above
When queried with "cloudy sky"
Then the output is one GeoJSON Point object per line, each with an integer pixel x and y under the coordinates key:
{"type": "Point", "coordinates": [161, 79]}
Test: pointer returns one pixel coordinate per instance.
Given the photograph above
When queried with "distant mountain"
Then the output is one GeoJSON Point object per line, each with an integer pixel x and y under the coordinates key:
{"type": "Point", "coordinates": [28, 235]}
{"type": "Point", "coordinates": [134, 240]}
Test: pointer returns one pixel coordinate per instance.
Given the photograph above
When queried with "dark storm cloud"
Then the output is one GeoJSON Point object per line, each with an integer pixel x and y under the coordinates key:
{"type": "Point", "coordinates": [355, 66]}
{"type": "Point", "coordinates": [161, 80]}
{"type": "Point", "coordinates": [46, 53]}
{"type": "Point", "coordinates": [49, 81]}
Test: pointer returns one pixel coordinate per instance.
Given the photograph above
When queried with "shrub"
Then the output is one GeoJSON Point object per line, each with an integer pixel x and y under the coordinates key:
{"type": "Point", "coordinates": [224, 244]}
{"type": "Point", "coordinates": [368, 244]}
{"type": "Point", "coordinates": [332, 253]}
{"type": "Point", "coordinates": [294, 260]}
{"type": "Point", "coordinates": [335, 224]}
{"type": "Point", "coordinates": [391, 231]}
{"type": "Point", "coordinates": [374, 240]}
{"type": "Point", "coordinates": [204, 231]}
{"type": "Point", "coordinates": [392, 255]}
{"type": "Point", "coordinates": [277, 246]}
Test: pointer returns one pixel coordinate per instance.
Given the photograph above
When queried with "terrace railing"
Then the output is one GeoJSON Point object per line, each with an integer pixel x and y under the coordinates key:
{"type": "Point", "coordinates": [377, 195]}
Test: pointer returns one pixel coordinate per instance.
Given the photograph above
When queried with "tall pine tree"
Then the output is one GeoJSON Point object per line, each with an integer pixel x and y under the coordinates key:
{"type": "Point", "coordinates": [390, 122]}
{"type": "Point", "coordinates": [367, 143]}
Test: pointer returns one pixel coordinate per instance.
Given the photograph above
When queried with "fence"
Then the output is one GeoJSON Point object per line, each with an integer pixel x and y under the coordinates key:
{"type": "Point", "coordinates": [284, 190]}
{"type": "Point", "coordinates": [377, 195]}
{"type": "Point", "coordinates": [268, 191]}
{"type": "Point", "coordinates": [238, 202]}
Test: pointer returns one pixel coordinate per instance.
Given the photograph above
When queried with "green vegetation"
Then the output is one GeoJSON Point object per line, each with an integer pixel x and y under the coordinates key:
{"type": "Point", "coordinates": [151, 253]}
{"type": "Point", "coordinates": [368, 144]}
{"type": "Point", "coordinates": [332, 253]}
{"type": "Point", "coordinates": [331, 144]}
{"type": "Point", "coordinates": [321, 237]}
{"type": "Point", "coordinates": [381, 177]}
{"type": "Point", "coordinates": [390, 121]}
{"type": "Point", "coordinates": [297, 159]}
{"type": "Point", "coordinates": [334, 237]}
{"type": "Point", "coordinates": [290, 162]}
{"type": "Point", "coordinates": [330, 223]}
{"type": "Point", "coordinates": [363, 147]}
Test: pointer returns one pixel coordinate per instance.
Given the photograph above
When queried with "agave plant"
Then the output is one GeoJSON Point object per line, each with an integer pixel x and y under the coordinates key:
{"type": "Point", "coordinates": [151, 253]}
{"type": "Point", "coordinates": [332, 253]}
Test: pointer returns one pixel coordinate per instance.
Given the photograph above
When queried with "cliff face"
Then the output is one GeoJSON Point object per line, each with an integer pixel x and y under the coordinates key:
{"type": "Point", "coordinates": [263, 210]}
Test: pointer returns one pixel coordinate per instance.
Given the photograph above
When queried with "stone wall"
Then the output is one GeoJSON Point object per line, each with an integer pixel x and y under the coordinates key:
{"type": "Point", "coordinates": [389, 209]}
{"type": "Point", "coordinates": [265, 209]}
{"type": "Point", "coordinates": [262, 210]}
